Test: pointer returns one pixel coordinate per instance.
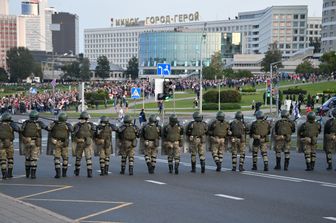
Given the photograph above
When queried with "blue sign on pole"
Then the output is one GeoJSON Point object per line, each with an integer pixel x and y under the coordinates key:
{"type": "Point", "coordinates": [136, 93]}
{"type": "Point", "coordinates": [33, 90]}
{"type": "Point", "coordinates": [163, 69]}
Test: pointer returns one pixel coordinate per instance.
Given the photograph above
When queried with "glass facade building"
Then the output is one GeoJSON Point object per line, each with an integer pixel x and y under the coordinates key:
{"type": "Point", "coordinates": [184, 50]}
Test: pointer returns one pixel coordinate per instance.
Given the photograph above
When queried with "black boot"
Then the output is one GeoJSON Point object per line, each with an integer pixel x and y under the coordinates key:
{"type": "Point", "coordinates": [265, 166]}
{"type": "Point", "coordinates": [241, 168]}
{"type": "Point", "coordinates": [308, 166]}
{"type": "Point", "coordinates": [130, 170]}
{"type": "Point", "coordinates": [106, 169]}
{"type": "Point", "coordinates": [58, 173]}
{"type": "Point", "coordinates": [329, 166]}
{"type": "Point", "coordinates": [102, 171]}
{"type": "Point", "coordinates": [89, 173]}
{"type": "Point", "coordinates": [4, 174]}
{"type": "Point", "coordinates": [193, 167]}
{"type": "Point", "coordinates": [122, 171]}
{"type": "Point", "coordinates": [76, 172]}
{"type": "Point", "coordinates": [64, 172]}
{"type": "Point", "coordinates": [149, 166]}
{"type": "Point", "coordinates": [219, 166]}
{"type": "Point", "coordinates": [170, 166]}
{"type": "Point", "coordinates": [27, 171]}
{"type": "Point", "coordinates": [286, 164]}
{"type": "Point", "coordinates": [10, 173]}
{"type": "Point", "coordinates": [176, 168]}
{"type": "Point", "coordinates": [254, 167]}
{"type": "Point", "coordinates": [312, 165]}
{"type": "Point", "coordinates": [202, 166]}
{"type": "Point", "coordinates": [278, 164]}
{"type": "Point", "coordinates": [33, 174]}
{"type": "Point", "coordinates": [234, 168]}
{"type": "Point", "coordinates": [152, 170]}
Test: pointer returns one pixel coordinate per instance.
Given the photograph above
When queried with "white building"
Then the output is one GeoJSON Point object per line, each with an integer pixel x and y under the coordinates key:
{"type": "Point", "coordinates": [285, 25]}
{"type": "Point", "coordinates": [329, 26]}
{"type": "Point", "coordinates": [3, 7]}
{"type": "Point", "coordinates": [314, 27]}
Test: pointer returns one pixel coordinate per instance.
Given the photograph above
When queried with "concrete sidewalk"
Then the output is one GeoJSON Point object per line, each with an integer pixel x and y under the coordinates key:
{"type": "Point", "coordinates": [13, 210]}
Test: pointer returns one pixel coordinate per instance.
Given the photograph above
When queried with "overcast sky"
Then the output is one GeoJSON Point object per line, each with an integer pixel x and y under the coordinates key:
{"type": "Point", "coordinates": [97, 13]}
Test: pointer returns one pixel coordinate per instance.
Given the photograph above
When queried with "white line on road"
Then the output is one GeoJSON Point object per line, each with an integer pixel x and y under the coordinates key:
{"type": "Point", "coordinates": [230, 197]}
{"type": "Point", "coordinates": [329, 185]}
{"type": "Point", "coordinates": [277, 177]}
{"type": "Point", "coordinates": [155, 182]}
{"type": "Point", "coordinates": [330, 218]}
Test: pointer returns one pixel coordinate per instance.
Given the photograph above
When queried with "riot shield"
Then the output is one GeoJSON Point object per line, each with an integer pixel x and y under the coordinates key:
{"type": "Point", "coordinates": [50, 146]}
{"type": "Point", "coordinates": [299, 144]}
{"type": "Point", "coordinates": [21, 145]}
{"type": "Point", "coordinates": [73, 145]}
{"type": "Point", "coordinates": [141, 145]}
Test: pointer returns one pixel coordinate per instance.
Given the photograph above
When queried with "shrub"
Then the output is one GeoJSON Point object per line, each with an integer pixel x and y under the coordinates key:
{"type": "Point", "coordinates": [100, 95]}
{"type": "Point", "coordinates": [329, 91]}
{"type": "Point", "coordinates": [227, 96]}
{"type": "Point", "coordinates": [295, 91]}
{"type": "Point", "coordinates": [249, 89]}
{"type": "Point", "coordinates": [223, 106]}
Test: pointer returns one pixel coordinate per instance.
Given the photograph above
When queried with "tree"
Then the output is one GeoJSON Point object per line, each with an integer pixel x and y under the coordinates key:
{"type": "Point", "coordinates": [133, 68]}
{"type": "Point", "coordinates": [103, 67]}
{"type": "Point", "coordinates": [316, 44]}
{"type": "Point", "coordinates": [72, 71]}
{"type": "Point", "coordinates": [3, 75]}
{"type": "Point", "coordinates": [215, 68]}
{"type": "Point", "coordinates": [328, 64]}
{"type": "Point", "coordinates": [271, 56]}
{"type": "Point", "coordinates": [37, 70]}
{"type": "Point", "coordinates": [20, 63]}
{"type": "Point", "coordinates": [305, 68]}
{"type": "Point", "coordinates": [85, 73]}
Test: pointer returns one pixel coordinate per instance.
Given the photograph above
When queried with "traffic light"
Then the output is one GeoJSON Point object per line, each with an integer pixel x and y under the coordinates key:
{"type": "Point", "coordinates": [168, 91]}
{"type": "Point", "coordinates": [268, 88]}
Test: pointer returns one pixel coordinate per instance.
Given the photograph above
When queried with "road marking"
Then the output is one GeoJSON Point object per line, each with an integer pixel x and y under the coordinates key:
{"type": "Point", "coordinates": [155, 182]}
{"type": "Point", "coordinates": [98, 171]}
{"type": "Point", "coordinates": [75, 201]}
{"type": "Point", "coordinates": [15, 177]}
{"type": "Point", "coordinates": [330, 218]}
{"type": "Point", "coordinates": [103, 212]}
{"type": "Point", "coordinates": [45, 192]}
{"type": "Point", "coordinates": [100, 222]}
{"type": "Point", "coordinates": [34, 185]}
{"type": "Point", "coordinates": [271, 176]}
{"type": "Point", "coordinates": [329, 185]}
{"type": "Point", "coordinates": [230, 197]}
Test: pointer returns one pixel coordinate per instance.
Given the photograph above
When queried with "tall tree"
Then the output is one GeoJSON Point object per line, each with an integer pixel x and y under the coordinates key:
{"type": "Point", "coordinates": [215, 68]}
{"type": "Point", "coordinates": [133, 68]}
{"type": "Point", "coordinates": [20, 63]}
{"type": "Point", "coordinates": [103, 67]}
{"type": "Point", "coordinates": [305, 68]}
{"type": "Point", "coordinates": [328, 64]}
{"type": "Point", "coordinates": [271, 56]}
{"type": "Point", "coordinates": [72, 71]}
{"type": "Point", "coordinates": [85, 73]}
{"type": "Point", "coordinates": [3, 75]}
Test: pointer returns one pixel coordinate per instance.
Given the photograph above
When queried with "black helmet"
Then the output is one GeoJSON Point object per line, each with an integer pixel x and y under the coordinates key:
{"type": "Point", "coordinates": [173, 119]}
{"type": "Point", "coordinates": [197, 117]}
{"type": "Point", "coordinates": [6, 117]}
{"type": "Point", "coordinates": [152, 119]}
{"type": "Point", "coordinates": [34, 115]}
{"type": "Point", "coordinates": [333, 113]}
{"type": "Point", "coordinates": [239, 115]}
{"type": "Point", "coordinates": [311, 117]}
{"type": "Point", "coordinates": [104, 119]}
{"type": "Point", "coordinates": [284, 114]}
{"type": "Point", "coordinates": [259, 115]}
{"type": "Point", "coordinates": [220, 116]}
{"type": "Point", "coordinates": [127, 119]}
{"type": "Point", "coordinates": [62, 117]}
{"type": "Point", "coordinates": [84, 115]}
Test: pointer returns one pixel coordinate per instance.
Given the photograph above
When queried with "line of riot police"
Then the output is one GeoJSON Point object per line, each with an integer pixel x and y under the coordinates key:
{"type": "Point", "coordinates": [196, 137]}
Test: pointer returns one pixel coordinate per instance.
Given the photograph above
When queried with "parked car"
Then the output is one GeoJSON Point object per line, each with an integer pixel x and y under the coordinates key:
{"type": "Point", "coordinates": [327, 106]}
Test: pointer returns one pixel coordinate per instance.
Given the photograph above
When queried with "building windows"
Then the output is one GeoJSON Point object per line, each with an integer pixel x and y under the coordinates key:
{"type": "Point", "coordinates": [296, 16]}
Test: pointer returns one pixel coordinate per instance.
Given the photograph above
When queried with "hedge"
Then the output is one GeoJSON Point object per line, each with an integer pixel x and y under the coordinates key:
{"type": "Point", "coordinates": [294, 91]}
{"type": "Point", "coordinates": [226, 96]}
{"type": "Point", "coordinates": [249, 89]}
{"type": "Point", "coordinates": [99, 95]}
{"type": "Point", "coordinates": [329, 91]}
{"type": "Point", "coordinates": [223, 106]}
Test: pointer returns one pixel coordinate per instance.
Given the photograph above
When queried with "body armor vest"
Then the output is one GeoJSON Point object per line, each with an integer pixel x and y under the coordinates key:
{"type": "Point", "coordinates": [173, 133]}
{"type": "Point", "coordinates": [311, 130]}
{"type": "Point", "coordinates": [261, 128]}
{"type": "Point", "coordinates": [84, 131]}
{"type": "Point", "coordinates": [31, 130]}
{"type": "Point", "coordinates": [60, 131]}
{"type": "Point", "coordinates": [6, 131]}
{"type": "Point", "coordinates": [284, 127]}
{"type": "Point", "coordinates": [105, 132]}
{"type": "Point", "coordinates": [198, 129]}
{"type": "Point", "coordinates": [237, 128]}
{"type": "Point", "coordinates": [129, 133]}
{"type": "Point", "coordinates": [220, 129]}
{"type": "Point", "coordinates": [151, 132]}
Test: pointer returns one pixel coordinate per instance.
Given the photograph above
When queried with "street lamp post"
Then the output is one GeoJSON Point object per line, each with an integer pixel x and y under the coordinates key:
{"type": "Point", "coordinates": [271, 98]}
{"type": "Point", "coordinates": [201, 70]}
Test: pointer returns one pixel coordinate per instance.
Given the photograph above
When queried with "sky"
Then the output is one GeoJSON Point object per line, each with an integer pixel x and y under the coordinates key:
{"type": "Point", "coordinates": [98, 13]}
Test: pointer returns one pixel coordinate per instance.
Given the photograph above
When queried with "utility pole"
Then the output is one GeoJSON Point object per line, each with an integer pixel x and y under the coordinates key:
{"type": "Point", "coordinates": [201, 71]}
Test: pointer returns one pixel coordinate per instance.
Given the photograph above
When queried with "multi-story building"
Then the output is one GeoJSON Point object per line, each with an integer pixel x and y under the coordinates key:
{"type": "Point", "coordinates": [67, 38]}
{"type": "Point", "coordinates": [7, 36]}
{"type": "Point", "coordinates": [329, 26]}
{"type": "Point", "coordinates": [314, 26]}
{"type": "Point", "coordinates": [284, 25]}
{"type": "Point", "coordinates": [3, 7]}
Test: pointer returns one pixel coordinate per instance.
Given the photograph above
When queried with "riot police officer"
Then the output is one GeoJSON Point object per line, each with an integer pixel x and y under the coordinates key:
{"type": "Point", "coordinates": [59, 139]}
{"type": "Point", "coordinates": [103, 142]}
{"type": "Point", "coordinates": [218, 132]}
{"type": "Point", "coordinates": [308, 133]}
{"type": "Point", "coordinates": [238, 140]}
{"type": "Point", "coordinates": [260, 130]}
{"type": "Point", "coordinates": [151, 134]}
{"type": "Point", "coordinates": [330, 138]}
{"type": "Point", "coordinates": [283, 130]}
{"type": "Point", "coordinates": [31, 131]}
{"type": "Point", "coordinates": [197, 131]}
{"type": "Point", "coordinates": [127, 134]}
{"type": "Point", "coordinates": [172, 142]}
{"type": "Point", "coordinates": [7, 128]}
{"type": "Point", "coordinates": [83, 138]}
